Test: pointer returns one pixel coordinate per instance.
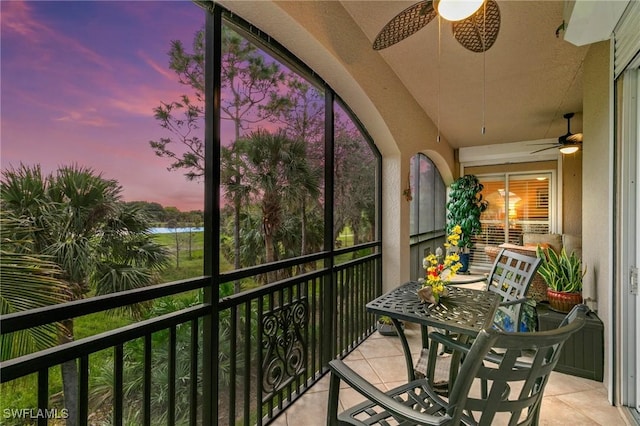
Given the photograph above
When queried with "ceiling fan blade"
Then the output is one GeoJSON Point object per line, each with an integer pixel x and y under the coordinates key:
{"type": "Point", "coordinates": [574, 138]}
{"type": "Point", "coordinates": [477, 33]}
{"type": "Point", "coordinates": [405, 24]}
{"type": "Point", "coordinates": [570, 139]}
{"type": "Point", "coordinates": [544, 149]}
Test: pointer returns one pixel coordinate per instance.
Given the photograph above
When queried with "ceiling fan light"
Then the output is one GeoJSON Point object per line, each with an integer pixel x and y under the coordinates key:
{"type": "Point", "coordinates": [457, 10]}
{"type": "Point", "coordinates": [569, 149]}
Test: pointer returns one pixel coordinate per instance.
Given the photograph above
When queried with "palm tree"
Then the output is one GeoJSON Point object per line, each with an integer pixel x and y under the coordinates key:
{"type": "Point", "coordinates": [354, 182]}
{"type": "Point", "coordinates": [250, 88]}
{"type": "Point", "coordinates": [24, 272]}
{"type": "Point", "coordinates": [236, 193]}
{"type": "Point", "coordinates": [279, 173]}
{"type": "Point", "coordinates": [100, 244]}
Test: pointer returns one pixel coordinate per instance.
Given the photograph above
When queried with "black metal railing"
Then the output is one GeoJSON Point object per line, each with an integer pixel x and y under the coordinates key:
{"type": "Point", "coordinates": [274, 342]}
{"type": "Point", "coordinates": [420, 246]}
{"type": "Point", "coordinates": [41, 363]}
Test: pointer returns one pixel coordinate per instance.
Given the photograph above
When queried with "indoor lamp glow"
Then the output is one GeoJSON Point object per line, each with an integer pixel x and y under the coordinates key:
{"type": "Point", "coordinates": [569, 149]}
{"type": "Point", "coordinates": [456, 10]}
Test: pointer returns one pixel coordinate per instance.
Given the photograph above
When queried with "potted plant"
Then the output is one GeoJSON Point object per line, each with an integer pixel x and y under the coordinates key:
{"type": "Point", "coordinates": [464, 208]}
{"type": "Point", "coordinates": [386, 327]}
{"type": "Point", "coordinates": [563, 274]}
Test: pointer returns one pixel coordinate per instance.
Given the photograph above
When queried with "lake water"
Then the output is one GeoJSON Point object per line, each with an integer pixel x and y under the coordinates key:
{"type": "Point", "coordinates": [172, 230]}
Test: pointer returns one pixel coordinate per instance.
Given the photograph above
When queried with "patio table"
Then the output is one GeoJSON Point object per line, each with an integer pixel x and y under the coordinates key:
{"type": "Point", "coordinates": [464, 312]}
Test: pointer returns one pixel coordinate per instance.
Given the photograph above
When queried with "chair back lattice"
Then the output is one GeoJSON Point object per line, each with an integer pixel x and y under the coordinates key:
{"type": "Point", "coordinates": [510, 277]}
{"type": "Point", "coordinates": [515, 383]}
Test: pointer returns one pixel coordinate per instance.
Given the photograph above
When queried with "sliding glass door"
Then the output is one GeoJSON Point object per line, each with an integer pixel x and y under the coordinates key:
{"type": "Point", "coordinates": [628, 237]}
{"type": "Point", "coordinates": [518, 203]}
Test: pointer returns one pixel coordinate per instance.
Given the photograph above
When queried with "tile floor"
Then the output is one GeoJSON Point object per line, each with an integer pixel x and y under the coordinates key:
{"type": "Point", "coordinates": [567, 400]}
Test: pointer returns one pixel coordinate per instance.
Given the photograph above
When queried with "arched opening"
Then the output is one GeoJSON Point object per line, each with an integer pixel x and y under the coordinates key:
{"type": "Point", "coordinates": [427, 211]}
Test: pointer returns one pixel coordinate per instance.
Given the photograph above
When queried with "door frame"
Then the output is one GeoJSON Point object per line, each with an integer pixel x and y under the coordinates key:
{"type": "Point", "coordinates": [628, 158]}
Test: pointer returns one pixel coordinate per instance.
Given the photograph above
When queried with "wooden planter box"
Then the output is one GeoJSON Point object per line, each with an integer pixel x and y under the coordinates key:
{"type": "Point", "coordinates": [583, 354]}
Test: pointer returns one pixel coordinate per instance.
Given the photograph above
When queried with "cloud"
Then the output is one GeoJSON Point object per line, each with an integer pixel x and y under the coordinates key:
{"type": "Point", "coordinates": [79, 84]}
{"type": "Point", "coordinates": [89, 117]}
{"type": "Point", "coordinates": [142, 100]}
{"type": "Point", "coordinates": [19, 21]}
{"type": "Point", "coordinates": [16, 19]}
{"type": "Point", "coordinates": [162, 70]}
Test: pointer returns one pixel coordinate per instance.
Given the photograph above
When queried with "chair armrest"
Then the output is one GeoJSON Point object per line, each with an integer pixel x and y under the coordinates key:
{"type": "Point", "coordinates": [449, 342]}
{"type": "Point", "coordinates": [492, 357]}
{"type": "Point", "coordinates": [372, 393]}
{"type": "Point", "coordinates": [514, 302]}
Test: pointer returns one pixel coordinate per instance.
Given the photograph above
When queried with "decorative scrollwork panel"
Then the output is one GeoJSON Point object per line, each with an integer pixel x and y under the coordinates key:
{"type": "Point", "coordinates": [283, 344]}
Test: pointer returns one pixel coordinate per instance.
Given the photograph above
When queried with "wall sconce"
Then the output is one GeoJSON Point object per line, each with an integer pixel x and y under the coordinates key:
{"type": "Point", "coordinates": [407, 192]}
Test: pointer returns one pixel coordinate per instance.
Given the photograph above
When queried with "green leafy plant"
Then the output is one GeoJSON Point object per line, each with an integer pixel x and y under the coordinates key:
{"type": "Point", "coordinates": [386, 327]}
{"type": "Point", "coordinates": [561, 272]}
{"type": "Point", "coordinates": [464, 208]}
{"type": "Point", "coordinates": [383, 319]}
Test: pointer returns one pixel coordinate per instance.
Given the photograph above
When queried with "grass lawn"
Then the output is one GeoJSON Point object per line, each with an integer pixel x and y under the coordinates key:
{"type": "Point", "coordinates": [22, 393]}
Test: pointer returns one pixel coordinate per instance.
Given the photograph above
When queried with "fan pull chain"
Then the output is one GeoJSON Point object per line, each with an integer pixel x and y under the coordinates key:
{"type": "Point", "coordinates": [484, 68]}
{"type": "Point", "coordinates": [439, 73]}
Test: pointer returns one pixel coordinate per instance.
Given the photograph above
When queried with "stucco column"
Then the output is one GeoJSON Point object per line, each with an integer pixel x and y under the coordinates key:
{"type": "Point", "coordinates": [395, 223]}
{"type": "Point", "coordinates": [597, 189]}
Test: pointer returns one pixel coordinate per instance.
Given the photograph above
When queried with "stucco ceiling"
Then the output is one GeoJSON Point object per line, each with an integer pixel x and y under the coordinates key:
{"type": "Point", "coordinates": [522, 86]}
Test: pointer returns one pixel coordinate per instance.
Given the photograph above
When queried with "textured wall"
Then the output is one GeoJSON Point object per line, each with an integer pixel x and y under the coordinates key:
{"type": "Point", "coordinates": [572, 193]}
{"type": "Point", "coordinates": [597, 184]}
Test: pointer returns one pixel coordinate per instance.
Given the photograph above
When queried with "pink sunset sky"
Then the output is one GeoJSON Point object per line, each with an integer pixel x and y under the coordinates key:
{"type": "Point", "coordinates": [78, 84]}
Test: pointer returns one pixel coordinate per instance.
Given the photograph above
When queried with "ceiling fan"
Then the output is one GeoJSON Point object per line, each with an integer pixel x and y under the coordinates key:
{"type": "Point", "coordinates": [477, 32]}
{"type": "Point", "coordinates": [569, 142]}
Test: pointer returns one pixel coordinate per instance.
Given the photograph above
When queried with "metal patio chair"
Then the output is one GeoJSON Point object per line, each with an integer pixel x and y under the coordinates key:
{"type": "Point", "coordinates": [516, 384]}
{"type": "Point", "coordinates": [510, 277]}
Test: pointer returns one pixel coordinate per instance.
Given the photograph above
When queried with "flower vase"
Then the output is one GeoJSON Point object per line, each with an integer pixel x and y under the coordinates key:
{"type": "Point", "coordinates": [426, 294]}
{"type": "Point", "coordinates": [464, 261]}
